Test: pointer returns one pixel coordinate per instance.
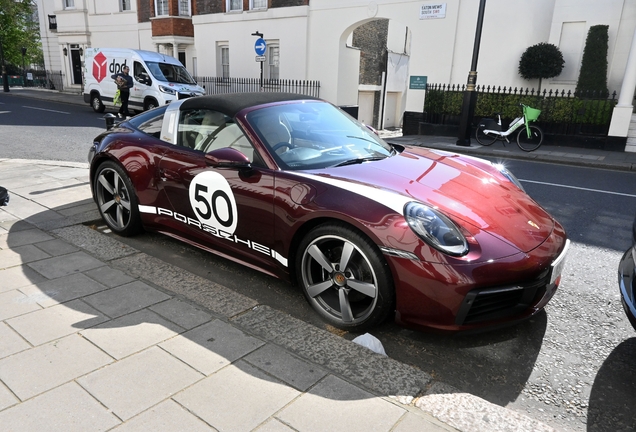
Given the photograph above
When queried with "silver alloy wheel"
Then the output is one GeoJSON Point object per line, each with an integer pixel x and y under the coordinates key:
{"type": "Point", "coordinates": [113, 199]}
{"type": "Point", "coordinates": [339, 279]}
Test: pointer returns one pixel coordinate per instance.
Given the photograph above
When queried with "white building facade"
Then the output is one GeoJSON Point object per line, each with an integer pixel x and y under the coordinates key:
{"type": "Point", "coordinates": [312, 40]}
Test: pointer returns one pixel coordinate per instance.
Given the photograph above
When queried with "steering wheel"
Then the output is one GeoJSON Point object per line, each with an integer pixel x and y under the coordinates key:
{"type": "Point", "coordinates": [282, 144]}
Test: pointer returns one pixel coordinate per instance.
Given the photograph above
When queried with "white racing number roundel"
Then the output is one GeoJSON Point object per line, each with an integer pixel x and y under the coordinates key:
{"type": "Point", "coordinates": [213, 201]}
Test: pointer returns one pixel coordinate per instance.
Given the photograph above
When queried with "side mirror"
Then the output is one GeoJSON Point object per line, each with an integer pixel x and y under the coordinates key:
{"type": "Point", "coordinates": [227, 158]}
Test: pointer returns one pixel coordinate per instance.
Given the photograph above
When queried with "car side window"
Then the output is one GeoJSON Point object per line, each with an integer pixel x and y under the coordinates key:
{"type": "Point", "coordinates": [149, 122]}
{"type": "Point", "coordinates": [207, 130]}
{"type": "Point", "coordinates": [140, 74]}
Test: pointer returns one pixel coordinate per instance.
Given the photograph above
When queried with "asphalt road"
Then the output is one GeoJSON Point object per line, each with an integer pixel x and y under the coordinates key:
{"type": "Point", "coordinates": [571, 366]}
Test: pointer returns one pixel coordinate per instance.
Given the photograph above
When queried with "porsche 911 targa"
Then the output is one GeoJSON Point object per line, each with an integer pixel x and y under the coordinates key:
{"type": "Point", "coordinates": [294, 187]}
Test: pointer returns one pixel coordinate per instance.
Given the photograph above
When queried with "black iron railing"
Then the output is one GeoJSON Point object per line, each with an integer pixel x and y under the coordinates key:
{"type": "Point", "coordinates": [218, 85]}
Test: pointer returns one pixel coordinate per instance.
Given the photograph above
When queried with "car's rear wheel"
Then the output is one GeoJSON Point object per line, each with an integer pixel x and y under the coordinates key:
{"type": "Point", "coordinates": [344, 277]}
{"type": "Point", "coordinates": [116, 199]}
{"type": "Point", "coordinates": [96, 103]}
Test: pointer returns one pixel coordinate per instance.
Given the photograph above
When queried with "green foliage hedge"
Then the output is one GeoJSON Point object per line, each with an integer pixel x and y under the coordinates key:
{"type": "Point", "coordinates": [554, 109]}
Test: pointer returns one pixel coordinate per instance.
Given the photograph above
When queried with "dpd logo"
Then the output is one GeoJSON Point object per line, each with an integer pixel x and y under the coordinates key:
{"type": "Point", "coordinates": [99, 67]}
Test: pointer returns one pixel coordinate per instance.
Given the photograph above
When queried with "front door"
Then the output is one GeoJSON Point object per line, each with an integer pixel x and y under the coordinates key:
{"type": "Point", "coordinates": [76, 65]}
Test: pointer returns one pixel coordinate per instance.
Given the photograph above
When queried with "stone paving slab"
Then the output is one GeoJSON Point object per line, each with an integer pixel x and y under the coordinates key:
{"type": "Point", "coordinates": [56, 363]}
{"type": "Point", "coordinates": [68, 408]}
{"type": "Point", "coordinates": [124, 299]}
{"type": "Point", "coordinates": [237, 398]}
{"type": "Point", "coordinates": [22, 238]}
{"type": "Point", "coordinates": [339, 406]}
{"type": "Point", "coordinates": [185, 315]}
{"type": "Point", "coordinates": [138, 382]}
{"type": "Point", "coordinates": [10, 341]}
{"type": "Point", "coordinates": [131, 333]}
{"type": "Point", "coordinates": [20, 255]}
{"type": "Point", "coordinates": [18, 277]}
{"type": "Point", "coordinates": [59, 266]}
{"type": "Point", "coordinates": [62, 290]}
{"type": "Point", "coordinates": [211, 346]}
{"type": "Point", "coordinates": [216, 298]}
{"type": "Point", "coordinates": [167, 416]}
{"type": "Point", "coordinates": [46, 325]}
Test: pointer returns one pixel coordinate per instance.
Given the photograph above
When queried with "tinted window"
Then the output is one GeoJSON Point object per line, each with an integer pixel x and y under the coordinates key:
{"type": "Point", "coordinates": [149, 122]}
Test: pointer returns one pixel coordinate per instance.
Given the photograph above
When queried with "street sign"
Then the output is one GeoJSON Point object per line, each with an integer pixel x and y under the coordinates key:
{"type": "Point", "coordinates": [260, 58]}
{"type": "Point", "coordinates": [418, 82]}
{"type": "Point", "coordinates": [260, 47]}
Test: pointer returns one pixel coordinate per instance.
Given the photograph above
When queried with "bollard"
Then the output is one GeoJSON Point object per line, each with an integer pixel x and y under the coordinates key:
{"type": "Point", "coordinates": [110, 120]}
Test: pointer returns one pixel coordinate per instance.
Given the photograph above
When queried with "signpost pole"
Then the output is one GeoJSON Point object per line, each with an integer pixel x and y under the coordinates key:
{"type": "Point", "coordinates": [260, 47]}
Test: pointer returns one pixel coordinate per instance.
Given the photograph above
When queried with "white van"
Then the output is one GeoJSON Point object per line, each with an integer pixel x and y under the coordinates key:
{"type": "Point", "coordinates": [158, 79]}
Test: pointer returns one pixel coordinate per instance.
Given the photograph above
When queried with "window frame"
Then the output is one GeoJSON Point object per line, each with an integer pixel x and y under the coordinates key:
{"type": "Point", "coordinates": [188, 5]}
{"type": "Point", "coordinates": [69, 4]}
{"type": "Point", "coordinates": [228, 6]}
{"type": "Point", "coordinates": [252, 7]}
{"type": "Point", "coordinates": [220, 66]}
{"type": "Point", "coordinates": [122, 4]}
{"type": "Point", "coordinates": [269, 57]}
{"type": "Point", "coordinates": [167, 7]}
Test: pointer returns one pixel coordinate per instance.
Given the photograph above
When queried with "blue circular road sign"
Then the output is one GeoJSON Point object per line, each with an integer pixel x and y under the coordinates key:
{"type": "Point", "coordinates": [260, 46]}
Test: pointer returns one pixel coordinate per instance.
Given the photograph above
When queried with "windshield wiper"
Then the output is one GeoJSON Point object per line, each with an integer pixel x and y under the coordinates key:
{"type": "Point", "coordinates": [360, 160]}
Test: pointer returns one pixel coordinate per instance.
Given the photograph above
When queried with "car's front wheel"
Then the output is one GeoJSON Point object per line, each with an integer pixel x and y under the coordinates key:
{"type": "Point", "coordinates": [344, 277]}
{"type": "Point", "coordinates": [96, 103]}
{"type": "Point", "coordinates": [116, 200]}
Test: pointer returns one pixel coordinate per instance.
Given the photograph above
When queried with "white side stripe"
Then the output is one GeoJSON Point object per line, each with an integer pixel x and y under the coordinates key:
{"type": "Point", "coordinates": [392, 200]}
{"type": "Point", "coordinates": [147, 209]}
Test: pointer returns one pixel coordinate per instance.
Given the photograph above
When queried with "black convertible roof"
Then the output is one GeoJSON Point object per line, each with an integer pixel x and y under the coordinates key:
{"type": "Point", "coordinates": [232, 103]}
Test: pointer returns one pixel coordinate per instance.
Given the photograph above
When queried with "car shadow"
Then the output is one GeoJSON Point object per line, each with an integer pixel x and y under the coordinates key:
{"type": "Point", "coordinates": [129, 302]}
{"type": "Point", "coordinates": [613, 395]}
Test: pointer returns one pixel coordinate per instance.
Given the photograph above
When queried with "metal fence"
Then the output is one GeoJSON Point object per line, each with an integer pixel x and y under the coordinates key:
{"type": "Point", "coordinates": [38, 78]}
{"type": "Point", "coordinates": [218, 85]}
{"type": "Point", "coordinates": [562, 112]}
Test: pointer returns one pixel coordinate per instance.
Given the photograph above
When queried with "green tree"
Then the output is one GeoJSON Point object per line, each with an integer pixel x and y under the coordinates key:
{"type": "Point", "coordinates": [19, 28]}
{"type": "Point", "coordinates": [542, 60]}
{"type": "Point", "coordinates": [593, 74]}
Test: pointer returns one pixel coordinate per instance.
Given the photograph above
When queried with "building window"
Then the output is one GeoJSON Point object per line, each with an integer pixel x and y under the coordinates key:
{"type": "Point", "coordinates": [124, 5]}
{"type": "Point", "coordinates": [234, 5]}
{"type": "Point", "coordinates": [273, 57]}
{"type": "Point", "coordinates": [161, 7]}
{"type": "Point", "coordinates": [184, 8]}
{"type": "Point", "coordinates": [69, 4]}
{"type": "Point", "coordinates": [258, 4]}
{"type": "Point", "coordinates": [223, 60]}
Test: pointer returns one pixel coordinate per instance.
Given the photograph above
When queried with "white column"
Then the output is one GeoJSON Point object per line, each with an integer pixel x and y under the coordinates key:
{"type": "Point", "coordinates": [175, 50]}
{"type": "Point", "coordinates": [622, 115]}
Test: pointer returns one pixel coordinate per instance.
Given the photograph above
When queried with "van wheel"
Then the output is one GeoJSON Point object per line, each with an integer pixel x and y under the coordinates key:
{"type": "Point", "coordinates": [96, 103]}
{"type": "Point", "coordinates": [150, 104]}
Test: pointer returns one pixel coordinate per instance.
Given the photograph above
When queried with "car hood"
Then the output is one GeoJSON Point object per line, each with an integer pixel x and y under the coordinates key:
{"type": "Point", "coordinates": [469, 190]}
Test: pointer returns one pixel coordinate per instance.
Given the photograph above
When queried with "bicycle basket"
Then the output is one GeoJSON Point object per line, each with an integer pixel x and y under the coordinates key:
{"type": "Point", "coordinates": [531, 113]}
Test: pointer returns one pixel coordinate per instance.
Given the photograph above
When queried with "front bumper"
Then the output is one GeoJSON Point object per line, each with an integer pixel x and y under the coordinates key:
{"type": "Point", "coordinates": [627, 283]}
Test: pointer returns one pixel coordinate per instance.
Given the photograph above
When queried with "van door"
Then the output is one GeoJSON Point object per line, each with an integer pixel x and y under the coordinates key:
{"type": "Point", "coordinates": [142, 81]}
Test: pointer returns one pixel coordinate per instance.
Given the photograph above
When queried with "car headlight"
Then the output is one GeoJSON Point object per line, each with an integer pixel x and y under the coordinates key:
{"type": "Point", "coordinates": [167, 90]}
{"type": "Point", "coordinates": [502, 169]}
{"type": "Point", "coordinates": [435, 229]}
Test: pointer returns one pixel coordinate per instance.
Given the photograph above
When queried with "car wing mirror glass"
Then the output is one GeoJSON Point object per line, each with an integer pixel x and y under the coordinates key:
{"type": "Point", "coordinates": [227, 158]}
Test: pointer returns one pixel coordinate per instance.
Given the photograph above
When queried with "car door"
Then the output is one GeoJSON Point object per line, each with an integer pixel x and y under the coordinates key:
{"type": "Point", "coordinates": [142, 82]}
{"type": "Point", "coordinates": [226, 209]}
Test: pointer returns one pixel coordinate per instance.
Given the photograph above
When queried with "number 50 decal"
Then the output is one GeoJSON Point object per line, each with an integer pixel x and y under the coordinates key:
{"type": "Point", "coordinates": [213, 201]}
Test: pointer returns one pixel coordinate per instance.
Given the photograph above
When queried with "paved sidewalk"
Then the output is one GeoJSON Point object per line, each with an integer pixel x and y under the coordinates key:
{"type": "Point", "coordinates": [95, 335]}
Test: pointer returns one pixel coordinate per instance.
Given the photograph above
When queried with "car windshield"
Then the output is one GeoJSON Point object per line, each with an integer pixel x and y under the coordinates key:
{"type": "Point", "coordinates": [314, 134]}
{"type": "Point", "coordinates": [170, 73]}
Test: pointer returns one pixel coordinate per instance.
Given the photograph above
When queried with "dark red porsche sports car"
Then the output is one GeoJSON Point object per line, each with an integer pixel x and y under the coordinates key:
{"type": "Point", "coordinates": [294, 187]}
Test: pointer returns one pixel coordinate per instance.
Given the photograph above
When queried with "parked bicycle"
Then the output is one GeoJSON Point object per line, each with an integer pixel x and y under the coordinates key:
{"type": "Point", "coordinates": [529, 138]}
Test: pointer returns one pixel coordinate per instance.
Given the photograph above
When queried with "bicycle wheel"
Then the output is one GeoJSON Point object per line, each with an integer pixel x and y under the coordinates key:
{"type": "Point", "coordinates": [482, 138]}
{"type": "Point", "coordinates": [531, 143]}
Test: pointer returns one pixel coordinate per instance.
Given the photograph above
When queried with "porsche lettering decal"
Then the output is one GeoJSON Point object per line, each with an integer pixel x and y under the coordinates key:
{"type": "Point", "coordinates": [219, 233]}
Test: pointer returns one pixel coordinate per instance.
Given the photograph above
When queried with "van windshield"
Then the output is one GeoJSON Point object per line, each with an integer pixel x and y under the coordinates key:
{"type": "Point", "coordinates": [170, 73]}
